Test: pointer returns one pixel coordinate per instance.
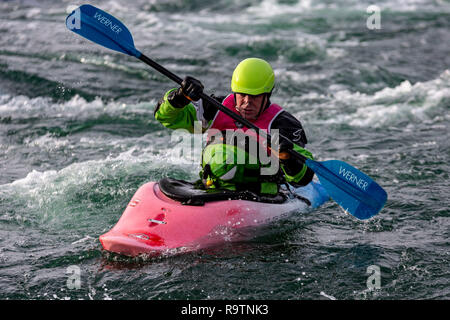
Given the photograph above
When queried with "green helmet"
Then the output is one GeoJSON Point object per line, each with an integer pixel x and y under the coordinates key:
{"type": "Point", "coordinates": [253, 76]}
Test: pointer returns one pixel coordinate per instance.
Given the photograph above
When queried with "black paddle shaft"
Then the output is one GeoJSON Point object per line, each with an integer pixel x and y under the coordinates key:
{"type": "Point", "coordinates": [160, 68]}
{"type": "Point", "coordinates": [218, 105]}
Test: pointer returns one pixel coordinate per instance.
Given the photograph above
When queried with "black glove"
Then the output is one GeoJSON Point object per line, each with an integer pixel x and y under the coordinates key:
{"type": "Point", "coordinates": [190, 90]}
{"type": "Point", "coordinates": [291, 164]}
{"type": "Point", "coordinates": [285, 145]}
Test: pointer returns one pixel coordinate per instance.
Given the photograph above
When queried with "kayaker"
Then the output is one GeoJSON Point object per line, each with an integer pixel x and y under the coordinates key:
{"type": "Point", "coordinates": [252, 84]}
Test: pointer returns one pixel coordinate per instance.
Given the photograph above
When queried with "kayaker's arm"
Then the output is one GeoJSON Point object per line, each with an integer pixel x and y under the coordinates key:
{"type": "Point", "coordinates": [172, 116]}
{"type": "Point", "coordinates": [181, 107]}
{"type": "Point", "coordinates": [295, 171]}
{"type": "Point", "coordinates": [175, 116]}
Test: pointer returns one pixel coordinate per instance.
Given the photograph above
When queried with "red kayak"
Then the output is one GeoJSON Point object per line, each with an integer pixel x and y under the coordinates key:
{"type": "Point", "coordinates": [171, 215]}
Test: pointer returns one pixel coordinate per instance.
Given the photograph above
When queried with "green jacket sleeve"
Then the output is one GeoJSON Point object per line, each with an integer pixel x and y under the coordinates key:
{"type": "Point", "coordinates": [176, 118]}
{"type": "Point", "coordinates": [304, 175]}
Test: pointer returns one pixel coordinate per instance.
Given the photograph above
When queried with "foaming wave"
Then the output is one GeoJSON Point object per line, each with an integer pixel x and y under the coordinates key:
{"type": "Point", "coordinates": [22, 107]}
{"type": "Point", "coordinates": [269, 8]}
{"type": "Point", "coordinates": [77, 192]}
{"type": "Point", "coordinates": [77, 174]}
{"type": "Point", "coordinates": [423, 101]}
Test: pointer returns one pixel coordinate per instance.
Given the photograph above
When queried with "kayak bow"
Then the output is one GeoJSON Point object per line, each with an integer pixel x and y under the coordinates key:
{"type": "Point", "coordinates": [154, 223]}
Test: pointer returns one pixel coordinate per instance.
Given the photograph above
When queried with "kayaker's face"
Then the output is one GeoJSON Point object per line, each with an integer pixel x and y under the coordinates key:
{"type": "Point", "coordinates": [249, 106]}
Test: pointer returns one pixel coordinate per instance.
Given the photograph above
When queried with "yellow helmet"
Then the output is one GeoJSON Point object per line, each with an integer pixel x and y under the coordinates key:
{"type": "Point", "coordinates": [253, 76]}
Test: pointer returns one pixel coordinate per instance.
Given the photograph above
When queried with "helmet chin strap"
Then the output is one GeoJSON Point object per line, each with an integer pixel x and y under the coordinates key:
{"type": "Point", "coordinates": [265, 103]}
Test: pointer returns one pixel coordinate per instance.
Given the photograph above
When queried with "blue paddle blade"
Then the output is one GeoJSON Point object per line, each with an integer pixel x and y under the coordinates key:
{"type": "Point", "coordinates": [102, 28]}
{"type": "Point", "coordinates": [354, 191]}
